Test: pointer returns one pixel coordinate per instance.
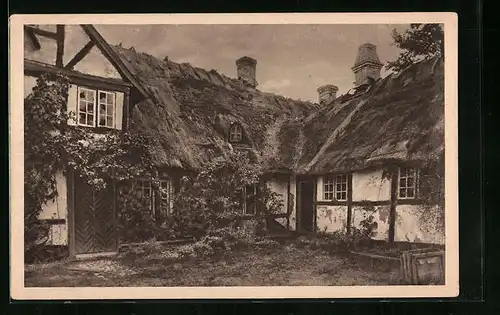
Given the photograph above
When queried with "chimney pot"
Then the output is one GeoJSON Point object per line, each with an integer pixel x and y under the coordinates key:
{"type": "Point", "coordinates": [327, 93]}
{"type": "Point", "coordinates": [367, 64]}
{"type": "Point", "coordinates": [246, 69]}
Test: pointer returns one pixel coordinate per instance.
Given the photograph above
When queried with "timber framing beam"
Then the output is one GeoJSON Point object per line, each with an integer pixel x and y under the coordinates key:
{"type": "Point", "coordinates": [80, 55]}
{"type": "Point", "coordinates": [41, 32]}
{"type": "Point", "coordinates": [36, 69]}
{"type": "Point", "coordinates": [34, 39]}
{"type": "Point", "coordinates": [60, 46]}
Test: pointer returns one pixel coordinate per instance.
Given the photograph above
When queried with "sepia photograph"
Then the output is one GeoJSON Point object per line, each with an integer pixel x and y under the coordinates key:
{"type": "Point", "coordinates": [222, 156]}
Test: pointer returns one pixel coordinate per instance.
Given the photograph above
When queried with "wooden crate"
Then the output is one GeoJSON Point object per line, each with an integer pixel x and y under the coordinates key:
{"type": "Point", "coordinates": [422, 266]}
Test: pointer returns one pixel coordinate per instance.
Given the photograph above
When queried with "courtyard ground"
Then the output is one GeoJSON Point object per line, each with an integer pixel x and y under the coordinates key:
{"type": "Point", "coordinates": [283, 265]}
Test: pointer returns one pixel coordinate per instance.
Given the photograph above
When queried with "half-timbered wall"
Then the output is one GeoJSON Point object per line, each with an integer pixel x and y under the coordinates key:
{"type": "Point", "coordinates": [369, 194]}
{"type": "Point", "coordinates": [69, 50]}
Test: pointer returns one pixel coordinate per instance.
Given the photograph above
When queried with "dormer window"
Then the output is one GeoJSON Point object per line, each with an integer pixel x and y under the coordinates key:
{"type": "Point", "coordinates": [96, 108]}
{"type": "Point", "coordinates": [236, 133]}
{"type": "Point", "coordinates": [106, 109]}
{"type": "Point", "coordinates": [87, 103]}
{"type": "Point", "coordinates": [86, 107]}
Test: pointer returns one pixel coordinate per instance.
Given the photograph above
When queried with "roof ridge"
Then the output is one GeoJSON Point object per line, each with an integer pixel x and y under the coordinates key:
{"type": "Point", "coordinates": [222, 75]}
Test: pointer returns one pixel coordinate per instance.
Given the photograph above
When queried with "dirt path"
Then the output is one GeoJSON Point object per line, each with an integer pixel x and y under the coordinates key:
{"type": "Point", "coordinates": [284, 266]}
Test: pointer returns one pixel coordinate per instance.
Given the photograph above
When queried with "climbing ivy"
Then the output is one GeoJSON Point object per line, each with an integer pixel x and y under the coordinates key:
{"type": "Point", "coordinates": [51, 145]}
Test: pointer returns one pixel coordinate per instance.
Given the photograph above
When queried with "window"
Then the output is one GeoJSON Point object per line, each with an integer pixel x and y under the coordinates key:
{"type": "Point", "coordinates": [86, 107]}
{"type": "Point", "coordinates": [407, 183]}
{"type": "Point", "coordinates": [335, 187]}
{"type": "Point", "coordinates": [144, 190]}
{"type": "Point", "coordinates": [106, 109]}
{"type": "Point", "coordinates": [165, 193]}
{"type": "Point", "coordinates": [235, 133]}
{"type": "Point", "coordinates": [96, 111]}
{"type": "Point", "coordinates": [250, 195]}
{"type": "Point", "coordinates": [157, 200]}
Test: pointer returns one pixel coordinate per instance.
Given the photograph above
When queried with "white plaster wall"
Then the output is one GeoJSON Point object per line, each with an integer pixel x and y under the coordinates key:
{"type": "Point", "coordinates": [319, 188]}
{"type": "Point", "coordinates": [281, 221]}
{"type": "Point", "coordinates": [380, 215]}
{"type": "Point", "coordinates": [58, 209]}
{"type": "Point", "coordinates": [293, 200]}
{"type": "Point", "coordinates": [74, 40]}
{"type": "Point", "coordinates": [281, 188]}
{"type": "Point", "coordinates": [331, 218]}
{"type": "Point", "coordinates": [47, 53]}
{"type": "Point", "coordinates": [96, 64]}
{"type": "Point", "coordinates": [370, 185]}
{"type": "Point", "coordinates": [419, 224]}
{"type": "Point", "coordinates": [29, 84]}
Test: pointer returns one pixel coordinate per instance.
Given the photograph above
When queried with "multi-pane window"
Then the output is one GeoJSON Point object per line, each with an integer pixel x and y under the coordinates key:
{"type": "Point", "coordinates": [106, 109]}
{"type": "Point", "coordinates": [156, 200]}
{"type": "Point", "coordinates": [236, 133]}
{"type": "Point", "coordinates": [165, 192]}
{"type": "Point", "coordinates": [96, 111]}
{"type": "Point", "coordinates": [335, 187]}
{"type": "Point", "coordinates": [407, 183]}
{"type": "Point", "coordinates": [144, 191]}
{"type": "Point", "coordinates": [86, 107]}
{"type": "Point", "coordinates": [250, 195]}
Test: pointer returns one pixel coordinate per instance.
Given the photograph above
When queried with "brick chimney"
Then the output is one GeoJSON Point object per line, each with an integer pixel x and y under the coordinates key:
{"type": "Point", "coordinates": [367, 64]}
{"type": "Point", "coordinates": [246, 69]}
{"type": "Point", "coordinates": [327, 93]}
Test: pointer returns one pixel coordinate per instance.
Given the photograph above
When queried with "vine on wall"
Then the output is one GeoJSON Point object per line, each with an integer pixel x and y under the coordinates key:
{"type": "Point", "coordinates": [51, 145]}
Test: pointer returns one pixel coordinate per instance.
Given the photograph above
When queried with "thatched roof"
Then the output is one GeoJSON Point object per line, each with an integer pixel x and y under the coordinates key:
{"type": "Point", "coordinates": [191, 110]}
{"type": "Point", "coordinates": [400, 118]}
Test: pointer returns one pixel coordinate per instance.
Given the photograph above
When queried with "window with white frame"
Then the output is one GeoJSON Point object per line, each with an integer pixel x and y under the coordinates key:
{"type": "Point", "coordinates": [106, 110]}
{"type": "Point", "coordinates": [86, 107]}
{"type": "Point", "coordinates": [407, 183]}
{"type": "Point", "coordinates": [96, 108]}
{"type": "Point", "coordinates": [163, 194]}
{"type": "Point", "coordinates": [144, 190]}
{"type": "Point", "coordinates": [335, 187]}
{"type": "Point", "coordinates": [235, 133]}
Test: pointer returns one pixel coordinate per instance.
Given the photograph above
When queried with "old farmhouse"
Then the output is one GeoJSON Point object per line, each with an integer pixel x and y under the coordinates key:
{"type": "Point", "coordinates": [376, 150]}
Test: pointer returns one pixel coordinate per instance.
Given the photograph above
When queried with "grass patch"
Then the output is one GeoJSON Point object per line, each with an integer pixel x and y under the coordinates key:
{"type": "Point", "coordinates": [282, 265]}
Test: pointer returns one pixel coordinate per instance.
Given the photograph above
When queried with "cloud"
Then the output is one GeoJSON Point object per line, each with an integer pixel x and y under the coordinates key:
{"type": "Point", "coordinates": [275, 84]}
{"type": "Point", "coordinates": [293, 60]}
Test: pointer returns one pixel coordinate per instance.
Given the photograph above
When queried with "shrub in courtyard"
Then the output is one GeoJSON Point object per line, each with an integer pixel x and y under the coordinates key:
{"type": "Point", "coordinates": [136, 222]}
{"type": "Point", "coordinates": [213, 199]}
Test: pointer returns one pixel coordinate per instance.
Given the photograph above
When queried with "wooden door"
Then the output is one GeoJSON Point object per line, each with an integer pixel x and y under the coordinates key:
{"type": "Point", "coordinates": [306, 221]}
{"type": "Point", "coordinates": [95, 219]}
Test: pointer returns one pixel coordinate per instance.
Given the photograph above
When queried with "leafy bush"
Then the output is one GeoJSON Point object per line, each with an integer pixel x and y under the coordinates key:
{"type": "Point", "coordinates": [52, 145]}
{"type": "Point", "coordinates": [212, 199]}
{"type": "Point", "coordinates": [136, 222]}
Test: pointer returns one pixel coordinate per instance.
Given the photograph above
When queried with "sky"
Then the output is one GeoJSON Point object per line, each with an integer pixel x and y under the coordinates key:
{"type": "Point", "coordinates": [292, 60]}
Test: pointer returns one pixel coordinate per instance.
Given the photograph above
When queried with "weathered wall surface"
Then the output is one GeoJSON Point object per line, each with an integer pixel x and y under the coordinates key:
{"type": "Point", "coordinates": [94, 63]}
{"type": "Point", "coordinates": [280, 187]}
{"type": "Point", "coordinates": [293, 204]}
{"type": "Point", "coordinates": [58, 209]}
{"type": "Point", "coordinates": [319, 189]}
{"type": "Point", "coordinates": [47, 53]}
{"type": "Point", "coordinates": [419, 224]}
{"type": "Point", "coordinates": [331, 218]}
{"type": "Point", "coordinates": [370, 185]}
{"type": "Point", "coordinates": [380, 216]}
{"type": "Point", "coordinates": [29, 84]}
